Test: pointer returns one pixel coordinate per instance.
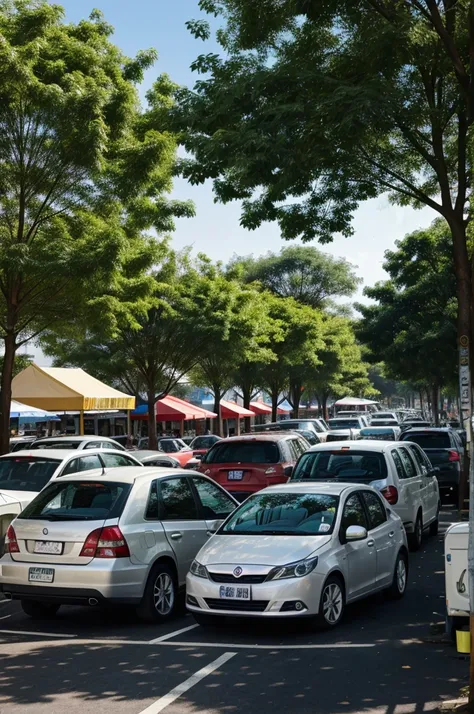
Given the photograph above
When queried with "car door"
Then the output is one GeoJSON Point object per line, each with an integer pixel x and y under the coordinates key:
{"type": "Point", "coordinates": [430, 483]}
{"type": "Point", "coordinates": [415, 487]}
{"type": "Point", "coordinates": [382, 530]}
{"type": "Point", "coordinates": [361, 555]}
{"type": "Point", "coordinates": [184, 526]}
{"type": "Point", "coordinates": [215, 504]}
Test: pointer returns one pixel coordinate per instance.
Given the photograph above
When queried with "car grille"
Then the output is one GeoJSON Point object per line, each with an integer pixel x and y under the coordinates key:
{"type": "Point", "coordinates": [245, 579]}
{"type": "Point", "coordinates": [237, 605]}
{"type": "Point", "coordinates": [335, 437]}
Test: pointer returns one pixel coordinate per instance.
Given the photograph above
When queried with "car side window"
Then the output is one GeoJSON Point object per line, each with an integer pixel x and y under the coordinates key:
{"type": "Point", "coordinates": [354, 513]}
{"type": "Point", "coordinates": [215, 503]}
{"type": "Point", "coordinates": [398, 464]}
{"type": "Point", "coordinates": [114, 460]}
{"type": "Point", "coordinates": [177, 500]}
{"type": "Point", "coordinates": [417, 454]}
{"type": "Point", "coordinates": [71, 468]}
{"type": "Point", "coordinates": [109, 445]}
{"type": "Point", "coordinates": [84, 463]}
{"type": "Point", "coordinates": [407, 463]}
{"type": "Point", "coordinates": [377, 512]}
{"type": "Point", "coordinates": [93, 445]}
{"type": "Point", "coordinates": [151, 511]}
{"type": "Point", "coordinates": [294, 449]}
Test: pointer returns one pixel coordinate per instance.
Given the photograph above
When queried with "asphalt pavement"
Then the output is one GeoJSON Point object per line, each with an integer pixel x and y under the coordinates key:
{"type": "Point", "coordinates": [386, 658]}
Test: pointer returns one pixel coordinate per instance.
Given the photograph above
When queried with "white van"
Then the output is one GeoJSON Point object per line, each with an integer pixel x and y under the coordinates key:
{"type": "Point", "coordinates": [456, 577]}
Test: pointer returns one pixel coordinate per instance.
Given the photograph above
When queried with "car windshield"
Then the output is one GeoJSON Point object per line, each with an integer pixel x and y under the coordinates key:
{"type": "Point", "coordinates": [380, 433]}
{"type": "Point", "coordinates": [26, 473]}
{"type": "Point", "coordinates": [169, 446]}
{"type": "Point", "coordinates": [284, 514]}
{"type": "Point", "coordinates": [78, 501]}
{"type": "Point", "coordinates": [247, 452]}
{"type": "Point", "coordinates": [340, 465]}
{"type": "Point", "coordinates": [203, 442]}
{"type": "Point", "coordinates": [59, 444]}
{"type": "Point", "coordinates": [427, 440]}
{"type": "Point", "coordinates": [344, 423]}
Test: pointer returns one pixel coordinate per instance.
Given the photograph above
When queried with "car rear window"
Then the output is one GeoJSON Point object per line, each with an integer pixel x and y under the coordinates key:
{"type": "Point", "coordinates": [26, 473]}
{"type": "Point", "coordinates": [60, 444]}
{"type": "Point", "coordinates": [340, 465]}
{"type": "Point", "coordinates": [428, 440]}
{"type": "Point", "coordinates": [248, 452]}
{"type": "Point", "coordinates": [78, 501]}
{"type": "Point", "coordinates": [344, 424]}
{"type": "Point", "coordinates": [382, 434]}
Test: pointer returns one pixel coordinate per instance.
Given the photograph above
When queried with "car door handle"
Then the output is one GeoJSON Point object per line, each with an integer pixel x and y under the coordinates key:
{"type": "Point", "coordinates": [176, 536]}
{"type": "Point", "coordinates": [370, 543]}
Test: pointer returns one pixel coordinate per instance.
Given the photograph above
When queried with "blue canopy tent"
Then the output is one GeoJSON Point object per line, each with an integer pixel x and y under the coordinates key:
{"type": "Point", "coordinates": [27, 414]}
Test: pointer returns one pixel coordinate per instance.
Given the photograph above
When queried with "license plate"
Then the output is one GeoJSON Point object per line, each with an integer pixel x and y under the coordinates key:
{"type": "Point", "coordinates": [50, 547]}
{"type": "Point", "coordinates": [41, 575]}
{"type": "Point", "coordinates": [233, 592]}
{"type": "Point", "coordinates": [236, 475]}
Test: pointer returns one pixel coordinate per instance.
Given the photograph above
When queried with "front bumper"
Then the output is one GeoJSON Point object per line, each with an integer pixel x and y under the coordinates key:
{"type": "Point", "coordinates": [268, 600]}
{"type": "Point", "coordinates": [117, 580]}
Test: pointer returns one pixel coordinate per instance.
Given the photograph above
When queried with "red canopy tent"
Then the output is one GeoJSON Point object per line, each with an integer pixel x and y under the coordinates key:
{"type": "Point", "coordinates": [174, 409]}
{"type": "Point", "coordinates": [232, 410]}
{"type": "Point", "coordinates": [263, 409]}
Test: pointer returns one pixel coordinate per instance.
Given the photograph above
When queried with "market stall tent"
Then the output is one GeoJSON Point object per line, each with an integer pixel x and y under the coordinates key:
{"type": "Point", "coordinates": [171, 408]}
{"type": "Point", "coordinates": [66, 389]}
{"type": "Point", "coordinates": [26, 413]}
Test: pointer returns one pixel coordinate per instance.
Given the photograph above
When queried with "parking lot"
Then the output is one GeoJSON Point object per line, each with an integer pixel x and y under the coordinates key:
{"type": "Point", "coordinates": [385, 658]}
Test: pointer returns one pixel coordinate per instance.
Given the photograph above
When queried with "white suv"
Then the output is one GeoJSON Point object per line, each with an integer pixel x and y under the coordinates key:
{"type": "Point", "coordinates": [400, 471]}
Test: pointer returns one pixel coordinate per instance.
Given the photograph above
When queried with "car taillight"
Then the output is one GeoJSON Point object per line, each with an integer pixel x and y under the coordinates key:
{"type": "Point", "coordinates": [453, 455]}
{"type": "Point", "coordinates": [105, 543]}
{"type": "Point", "coordinates": [11, 543]}
{"type": "Point", "coordinates": [390, 494]}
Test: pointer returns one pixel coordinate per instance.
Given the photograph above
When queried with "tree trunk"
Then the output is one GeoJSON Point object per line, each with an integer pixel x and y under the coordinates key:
{"type": "Point", "coordinates": [246, 396]}
{"type": "Point", "coordinates": [325, 407]}
{"type": "Point", "coordinates": [435, 403]}
{"type": "Point", "coordinates": [6, 393]}
{"type": "Point", "coordinates": [295, 396]}
{"type": "Point", "coordinates": [217, 409]}
{"type": "Point", "coordinates": [152, 438]}
{"type": "Point", "coordinates": [275, 394]}
{"type": "Point", "coordinates": [422, 407]}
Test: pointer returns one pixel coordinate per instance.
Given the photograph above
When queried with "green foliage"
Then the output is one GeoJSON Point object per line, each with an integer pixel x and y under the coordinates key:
{"type": "Point", "coordinates": [412, 325]}
{"type": "Point", "coordinates": [302, 272]}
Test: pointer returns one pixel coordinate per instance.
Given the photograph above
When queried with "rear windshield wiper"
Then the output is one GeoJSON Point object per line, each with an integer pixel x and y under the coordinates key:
{"type": "Point", "coordinates": [56, 517]}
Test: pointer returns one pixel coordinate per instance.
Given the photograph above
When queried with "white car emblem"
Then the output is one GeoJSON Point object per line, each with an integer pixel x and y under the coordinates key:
{"type": "Point", "coordinates": [238, 571]}
{"type": "Point", "coordinates": [45, 531]}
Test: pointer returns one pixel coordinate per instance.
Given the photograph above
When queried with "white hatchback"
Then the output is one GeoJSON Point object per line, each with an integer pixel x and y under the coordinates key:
{"type": "Point", "coordinates": [401, 471]}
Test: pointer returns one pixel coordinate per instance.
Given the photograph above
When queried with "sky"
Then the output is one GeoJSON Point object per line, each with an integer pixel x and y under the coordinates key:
{"type": "Point", "coordinates": [141, 24]}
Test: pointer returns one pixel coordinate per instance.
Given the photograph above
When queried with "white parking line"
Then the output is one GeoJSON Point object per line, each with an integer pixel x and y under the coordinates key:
{"type": "Point", "coordinates": [226, 645]}
{"type": "Point", "coordinates": [5, 617]}
{"type": "Point", "coordinates": [36, 634]}
{"type": "Point", "coordinates": [169, 698]}
{"type": "Point", "coordinates": [172, 634]}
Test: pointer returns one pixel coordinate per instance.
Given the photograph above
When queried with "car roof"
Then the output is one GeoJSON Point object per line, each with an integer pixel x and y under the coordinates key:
{"type": "Point", "coordinates": [257, 436]}
{"type": "Point", "coordinates": [331, 489]}
{"type": "Point", "coordinates": [75, 437]}
{"type": "Point", "coordinates": [60, 454]}
{"type": "Point", "coordinates": [126, 474]}
{"type": "Point", "coordinates": [377, 446]}
{"type": "Point", "coordinates": [435, 429]}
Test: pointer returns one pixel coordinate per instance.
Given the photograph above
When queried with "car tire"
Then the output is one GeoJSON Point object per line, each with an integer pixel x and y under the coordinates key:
{"type": "Point", "coordinates": [415, 539]}
{"type": "Point", "coordinates": [39, 610]}
{"type": "Point", "coordinates": [400, 575]}
{"type": "Point", "coordinates": [332, 603]}
{"type": "Point", "coordinates": [434, 527]}
{"type": "Point", "coordinates": [160, 595]}
{"type": "Point", "coordinates": [205, 620]}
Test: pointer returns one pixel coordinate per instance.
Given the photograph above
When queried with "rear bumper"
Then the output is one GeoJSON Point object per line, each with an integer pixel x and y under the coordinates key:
{"type": "Point", "coordinates": [117, 580]}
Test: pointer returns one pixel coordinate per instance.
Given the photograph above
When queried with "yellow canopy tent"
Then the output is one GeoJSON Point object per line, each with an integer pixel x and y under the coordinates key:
{"type": "Point", "coordinates": [67, 389]}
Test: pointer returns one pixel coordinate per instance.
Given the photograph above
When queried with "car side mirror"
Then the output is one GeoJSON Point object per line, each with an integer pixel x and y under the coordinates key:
{"type": "Point", "coordinates": [354, 533]}
{"type": "Point", "coordinates": [214, 525]}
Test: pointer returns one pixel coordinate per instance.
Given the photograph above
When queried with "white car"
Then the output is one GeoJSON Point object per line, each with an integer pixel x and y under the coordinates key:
{"type": "Point", "coordinates": [456, 576]}
{"type": "Point", "coordinates": [77, 442]}
{"type": "Point", "coordinates": [401, 471]}
{"type": "Point", "coordinates": [23, 474]}
{"type": "Point", "coordinates": [299, 550]}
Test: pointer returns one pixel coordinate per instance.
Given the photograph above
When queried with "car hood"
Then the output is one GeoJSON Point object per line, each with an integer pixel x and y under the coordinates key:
{"type": "Point", "coordinates": [259, 550]}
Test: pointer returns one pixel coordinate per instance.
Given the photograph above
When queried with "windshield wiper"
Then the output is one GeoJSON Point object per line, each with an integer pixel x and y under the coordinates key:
{"type": "Point", "coordinates": [57, 517]}
{"type": "Point", "coordinates": [276, 532]}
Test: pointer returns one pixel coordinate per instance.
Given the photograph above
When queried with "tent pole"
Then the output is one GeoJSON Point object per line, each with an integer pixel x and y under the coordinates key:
{"type": "Point", "coordinates": [81, 422]}
{"type": "Point", "coordinates": [129, 423]}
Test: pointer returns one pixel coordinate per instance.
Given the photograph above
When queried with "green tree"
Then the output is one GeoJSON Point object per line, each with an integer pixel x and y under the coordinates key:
{"type": "Point", "coordinates": [317, 106]}
{"type": "Point", "coordinates": [412, 325]}
{"type": "Point", "coordinates": [305, 273]}
{"type": "Point", "coordinates": [83, 170]}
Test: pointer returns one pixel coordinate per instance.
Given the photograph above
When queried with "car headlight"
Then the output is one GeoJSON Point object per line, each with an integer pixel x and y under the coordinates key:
{"type": "Point", "coordinates": [293, 570]}
{"type": "Point", "coordinates": [198, 570]}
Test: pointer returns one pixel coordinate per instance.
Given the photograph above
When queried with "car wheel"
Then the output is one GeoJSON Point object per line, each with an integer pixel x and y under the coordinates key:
{"type": "Point", "coordinates": [205, 620]}
{"type": "Point", "coordinates": [39, 610]}
{"type": "Point", "coordinates": [415, 538]}
{"type": "Point", "coordinates": [400, 575]}
{"type": "Point", "coordinates": [331, 607]}
{"type": "Point", "coordinates": [159, 598]}
{"type": "Point", "coordinates": [434, 527]}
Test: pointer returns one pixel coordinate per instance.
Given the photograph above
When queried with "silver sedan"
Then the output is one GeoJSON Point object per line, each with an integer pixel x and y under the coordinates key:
{"type": "Point", "coordinates": [300, 550]}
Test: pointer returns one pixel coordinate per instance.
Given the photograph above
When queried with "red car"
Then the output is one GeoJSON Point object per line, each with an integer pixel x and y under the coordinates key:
{"type": "Point", "coordinates": [201, 444]}
{"type": "Point", "coordinates": [177, 448]}
{"type": "Point", "coordinates": [246, 464]}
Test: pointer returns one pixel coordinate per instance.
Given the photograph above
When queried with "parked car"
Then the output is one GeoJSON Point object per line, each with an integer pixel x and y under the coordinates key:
{"type": "Point", "coordinates": [156, 458]}
{"type": "Point", "coordinates": [318, 426]}
{"type": "Point", "coordinates": [342, 435]}
{"type": "Point", "coordinates": [170, 445]}
{"type": "Point", "coordinates": [381, 433]}
{"type": "Point", "coordinates": [246, 464]}
{"type": "Point", "coordinates": [417, 423]}
{"type": "Point", "coordinates": [354, 424]}
{"type": "Point", "coordinates": [377, 421]}
{"type": "Point", "coordinates": [24, 474]}
{"type": "Point", "coordinates": [444, 448]}
{"type": "Point", "coordinates": [401, 471]}
{"type": "Point", "coordinates": [365, 417]}
{"type": "Point", "coordinates": [201, 444]}
{"type": "Point", "coordinates": [300, 550]}
{"type": "Point", "coordinates": [124, 536]}
{"type": "Point", "coordinates": [391, 416]}
{"type": "Point", "coordinates": [18, 443]}
{"type": "Point", "coordinates": [456, 577]}
{"type": "Point", "coordinates": [309, 434]}
{"type": "Point", "coordinates": [76, 442]}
